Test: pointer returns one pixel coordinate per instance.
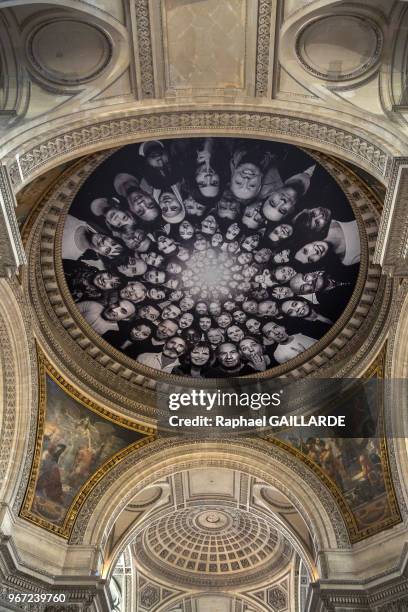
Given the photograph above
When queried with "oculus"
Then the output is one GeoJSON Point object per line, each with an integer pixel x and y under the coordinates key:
{"type": "Point", "coordinates": [211, 257]}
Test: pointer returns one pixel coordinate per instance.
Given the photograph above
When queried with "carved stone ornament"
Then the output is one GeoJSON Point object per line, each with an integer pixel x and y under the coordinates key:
{"type": "Point", "coordinates": [81, 140]}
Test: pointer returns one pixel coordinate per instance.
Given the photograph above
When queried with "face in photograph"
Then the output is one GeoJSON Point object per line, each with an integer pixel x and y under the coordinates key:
{"type": "Point", "coordinates": [122, 311]}
{"type": "Point", "coordinates": [143, 206]}
{"type": "Point", "coordinates": [280, 204]}
{"type": "Point", "coordinates": [234, 333]}
{"type": "Point", "coordinates": [228, 355]}
{"type": "Point", "coordinates": [186, 230]}
{"type": "Point", "coordinates": [148, 312]}
{"type": "Point", "coordinates": [166, 329]}
{"type": "Point", "coordinates": [134, 291]}
{"type": "Point", "coordinates": [134, 266]}
{"type": "Point", "coordinates": [246, 181]}
{"type": "Point", "coordinates": [215, 336]}
{"type": "Point", "coordinates": [200, 355]}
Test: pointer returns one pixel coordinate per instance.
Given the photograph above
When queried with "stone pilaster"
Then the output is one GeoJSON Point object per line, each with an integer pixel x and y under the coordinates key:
{"type": "Point", "coordinates": [392, 245]}
{"type": "Point", "coordinates": [11, 248]}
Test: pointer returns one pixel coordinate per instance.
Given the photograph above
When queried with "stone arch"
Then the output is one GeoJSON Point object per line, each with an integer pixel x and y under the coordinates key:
{"type": "Point", "coordinates": [28, 158]}
{"type": "Point", "coordinates": [135, 531]}
{"type": "Point", "coordinates": [255, 457]}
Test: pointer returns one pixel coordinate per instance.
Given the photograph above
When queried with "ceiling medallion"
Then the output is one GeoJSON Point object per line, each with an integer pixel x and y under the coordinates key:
{"type": "Point", "coordinates": [339, 47]}
{"type": "Point", "coordinates": [66, 51]}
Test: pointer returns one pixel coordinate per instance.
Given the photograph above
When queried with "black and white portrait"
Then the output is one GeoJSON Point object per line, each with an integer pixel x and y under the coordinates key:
{"type": "Point", "coordinates": [211, 257]}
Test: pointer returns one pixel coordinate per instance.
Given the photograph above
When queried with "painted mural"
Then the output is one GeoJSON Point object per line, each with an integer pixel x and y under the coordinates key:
{"type": "Point", "coordinates": [356, 468]}
{"type": "Point", "coordinates": [74, 443]}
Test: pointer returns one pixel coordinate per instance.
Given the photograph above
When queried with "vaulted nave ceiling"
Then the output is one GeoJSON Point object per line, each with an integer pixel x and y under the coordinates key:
{"type": "Point", "coordinates": [232, 524]}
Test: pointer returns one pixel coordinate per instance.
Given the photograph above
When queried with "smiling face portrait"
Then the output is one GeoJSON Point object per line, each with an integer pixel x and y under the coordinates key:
{"type": "Point", "coordinates": [204, 250]}
{"type": "Point", "coordinates": [200, 355]}
{"type": "Point", "coordinates": [186, 230]}
{"type": "Point", "coordinates": [186, 320]}
{"type": "Point", "coordinates": [312, 252]}
{"type": "Point", "coordinates": [171, 208]}
{"type": "Point", "coordinates": [215, 336]}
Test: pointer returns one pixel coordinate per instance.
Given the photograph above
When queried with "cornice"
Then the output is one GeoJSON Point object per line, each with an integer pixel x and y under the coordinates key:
{"type": "Point", "coordinates": [31, 160]}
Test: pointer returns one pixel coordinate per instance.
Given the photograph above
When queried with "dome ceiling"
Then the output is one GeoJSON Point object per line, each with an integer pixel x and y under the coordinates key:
{"type": "Point", "coordinates": [248, 287]}
{"type": "Point", "coordinates": [213, 547]}
{"type": "Point", "coordinates": [211, 257]}
{"type": "Point", "coordinates": [212, 542]}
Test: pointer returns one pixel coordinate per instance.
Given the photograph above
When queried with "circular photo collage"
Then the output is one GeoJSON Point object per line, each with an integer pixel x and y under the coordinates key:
{"type": "Point", "coordinates": [211, 257]}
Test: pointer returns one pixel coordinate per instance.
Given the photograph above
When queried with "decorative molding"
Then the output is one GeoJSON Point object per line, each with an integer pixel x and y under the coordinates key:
{"type": "Point", "coordinates": [87, 595]}
{"type": "Point", "coordinates": [108, 133]}
{"type": "Point", "coordinates": [267, 553]}
{"type": "Point", "coordinates": [145, 53]}
{"type": "Point", "coordinates": [50, 75]}
{"type": "Point", "coordinates": [236, 452]}
{"type": "Point", "coordinates": [380, 593]}
{"type": "Point", "coordinates": [19, 399]}
{"type": "Point", "coordinates": [265, 8]}
{"type": "Point", "coordinates": [61, 319]}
